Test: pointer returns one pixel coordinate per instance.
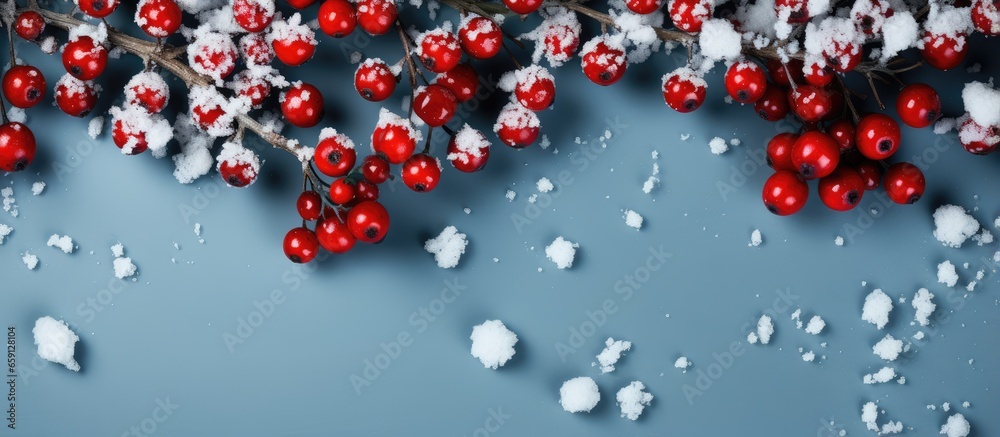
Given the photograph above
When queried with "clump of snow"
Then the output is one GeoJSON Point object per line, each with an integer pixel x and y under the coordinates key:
{"type": "Point", "coordinates": [37, 188]}
{"type": "Point", "coordinates": [809, 356]}
{"type": "Point", "coordinates": [510, 195]}
{"type": "Point", "coordinates": [579, 394]}
{"type": "Point", "coordinates": [888, 348]}
{"type": "Point", "coordinates": [839, 241]}
{"type": "Point", "coordinates": [900, 32]}
{"type": "Point", "coordinates": [683, 363]}
{"type": "Point", "coordinates": [718, 146]}
{"type": "Point", "coordinates": [923, 305]}
{"type": "Point", "coordinates": [544, 185]}
{"type": "Point", "coordinates": [123, 266]}
{"type": "Point", "coordinates": [64, 243]}
{"type": "Point", "coordinates": [755, 238]}
{"type": "Point", "coordinates": [561, 252]}
{"type": "Point", "coordinates": [815, 325]}
{"type": "Point", "coordinates": [447, 247]}
{"type": "Point", "coordinates": [765, 328]}
{"type": "Point", "coordinates": [719, 40]}
{"type": "Point", "coordinates": [5, 231]}
{"type": "Point", "coordinates": [56, 342]}
{"type": "Point", "coordinates": [885, 374]}
{"type": "Point", "coordinates": [493, 343]}
{"type": "Point", "coordinates": [876, 308]}
{"type": "Point", "coordinates": [946, 274]}
{"type": "Point", "coordinates": [30, 261]}
{"type": "Point", "coordinates": [195, 159]}
{"type": "Point", "coordinates": [869, 415]}
{"type": "Point", "coordinates": [633, 400]}
{"type": "Point", "coordinates": [952, 225]}
{"type": "Point", "coordinates": [633, 219]}
{"type": "Point", "coordinates": [95, 127]}
{"type": "Point", "coordinates": [612, 352]}
{"type": "Point", "coordinates": [956, 426]}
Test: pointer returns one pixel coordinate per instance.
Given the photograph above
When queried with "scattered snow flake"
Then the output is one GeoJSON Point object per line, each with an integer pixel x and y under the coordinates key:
{"type": "Point", "coordinates": [839, 241]}
{"type": "Point", "coordinates": [64, 243]}
{"type": "Point", "coordinates": [544, 185]}
{"type": "Point", "coordinates": [876, 309]}
{"type": "Point", "coordinates": [561, 252]}
{"type": "Point", "coordinates": [719, 41]}
{"type": "Point", "coordinates": [946, 274]}
{"type": "Point", "coordinates": [815, 325]}
{"type": "Point", "coordinates": [923, 305]}
{"type": "Point", "coordinates": [56, 342]}
{"type": "Point", "coordinates": [755, 238]}
{"type": "Point", "coordinates": [869, 415]}
{"type": "Point", "coordinates": [493, 343]}
{"type": "Point", "coordinates": [718, 146]}
{"type": "Point", "coordinates": [30, 261]}
{"type": "Point", "coordinates": [765, 328]}
{"type": "Point", "coordinates": [118, 250]}
{"type": "Point", "coordinates": [37, 188]}
{"type": "Point", "coordinates": [809, 357]}
{"type": "Point", "coordinates": [95, 127]}
{"type": "Point", "coordinates": [612, 352]}
{"type": "Point", "coordinates": [982, 102]}
{"type": "Point", "coordinates": [447, 247]}
{"type": "Point", "coordinates": [884, 375]}
{"type": "Point", "coordinates": [579, 394]}
{"type": "Point", "coordinates": [633, 219]}
{"type": "Point", "coordinates": [683, 363]}
{"type": "Point", "coordinates": [510, 195]}
{"type": "Point", "coordinates": [124, 268]}
{"type": "Point", "coordinates": [888, 348]}
{"type": "Point", "coordinates": [633, 400]}
{"type": "Point", "coordinates": [5, 231]}
{"type": "Point", "coordinates": [952, 225]}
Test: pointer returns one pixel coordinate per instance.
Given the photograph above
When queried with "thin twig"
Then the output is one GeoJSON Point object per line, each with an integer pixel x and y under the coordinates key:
{"type": "Point", "coordinates": [411, 69]}
{"type": "Point", "coordinates": [847, 98]}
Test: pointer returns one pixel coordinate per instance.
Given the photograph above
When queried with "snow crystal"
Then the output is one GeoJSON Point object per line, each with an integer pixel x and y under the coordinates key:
{"type": "Point", "coordinates": [579, 394]}
{"type": "Point", "coordinates": [956, 426]}
{"type": "Point", "coordinates": [982, 102]}
{"type": "Point", "coordinates": [815, 325]}
{"type": "Point", "coordinates": [632, 400]}
{"type": "Point", "coordinates": [56, 342]}
{"type": "Point", "coordinates": [633, 219]}
{"type": "Point", "coordinates": [718, 146]}
{"type": "Point", "coordinates": [544, 185]}
{"type": "Point", "coordinates": [952, 225]}
{"type": "Point", "coordinates": [888, 348]}
{"type": "Point", "coordinates": [30, 261]}
{"type": "Point", "coordinates": [923, 305]}
{"type": "Point", "coordinates": [64, 243]}
{"type": "Point", "coordinates": [493, 343]}
{"type": "Point", "coordinates": [37, 188]}
{"type": "Point", "coordinates": [447, 247]}
{"type": "Point", "coordinates": [884, 375]}
{"type": "Point", "coordinates": [612, 353]}
{"type": "Point", "coordinates": [561, 252]}
{"type": "Point", "coordinates": [876, 308]}
{"type": "Point", "coordinates": [683, 363]}
{"type": "Point", "coordinates": [755, 238]}
{"type": "Point", "coordinates": [946, 274]}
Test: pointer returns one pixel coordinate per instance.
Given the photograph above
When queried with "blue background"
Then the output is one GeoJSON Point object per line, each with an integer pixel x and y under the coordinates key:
{"type": "Point", "coordinates": [162, 337]}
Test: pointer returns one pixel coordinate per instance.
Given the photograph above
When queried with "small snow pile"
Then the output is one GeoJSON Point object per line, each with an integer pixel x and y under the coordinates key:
{"type": "Point", "coordinates": [561, 252]}
{"type": "Point", "coordinates": [815, 325]}
{"type": "Point", "coordinates": [952, 226]}
{"type": "Point", "coordinates": [885, 374]}
{"type": "Point", "coordinates": [544, 185]}
{"type": "Point", "coordinates": [56, 342]}
{"type": "Point", "coordinates": [9, 203]}
{"type": "Point", "coordinates": [37, 188]}
{"type": "Point", "coordinates": [876, 309]}
{"type": "Point", "coordinates": [64, 243]}
{"type": "Point", "coordinates": [888, 348]}
{"type": "Point", "coordinates": [579, 394]}
{"type": "Point", "coordinates": [683, 363]}
{"type": "Point", "coordinates": [982, 102]}
{"type": "Point", "coordinates": [956, 426]}
{"type": "Point", "coordinates": [612, 353]}
{"type": "Point", "coordinates": [647, 187]}
{"type": "Point", "coordinates": [869, 415]}
{"type": "Point", "coordinates": [195, 159]}
{"type": "Point", "coordinates": [719, 40]}
{"type": "Point", "coordinates": [946, 274]}
{"type": "Point", "coordinates": [899, 32]}
{"type": "Point", "coordinates": [447, 247]}
{"type": "Point", "coordinates": [95, 127]}
{"type": "Point", "coordinates": [30, 261]}
{"type": "Point", "coordinates": [633, 219]}
{"type": "Point", "coordinates": [493, 343]}
{"type": "Point", "coordinates": [5, 231]}
{"type": "Point", "coordinates": [923, 305]}
{"type": "Point", "coordinates": [123, 266]}
{"type": "Point", "coordinates": [632, 400]}
{"type": "Point", "coordinates": [510, 195]}
{"type": "Point", "coordinates": [755, 238]}
{"type": "Point", "coordinates": [718, 146]}
{"type": "Point", "coordinates": [839, 241]}
{"type": "Point", "coordinates": [765, 328]}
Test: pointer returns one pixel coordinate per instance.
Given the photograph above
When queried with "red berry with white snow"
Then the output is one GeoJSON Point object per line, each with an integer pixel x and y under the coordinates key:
{"type": "Point", "coordinates": [302, 105]}
{"type": "Point", "coordinates": [17, 146]}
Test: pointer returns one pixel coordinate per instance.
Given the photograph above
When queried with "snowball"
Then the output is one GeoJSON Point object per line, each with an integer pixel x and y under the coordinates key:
{"type": "Point", "coordinates": [124, 268]}
{"type": "Point", "coordinates": [952, 226]}
{"type": "Point", "coordinates": [56, 342]}
{"type": "Point", "coordinates": [809, 357]}
{"type": "Point", "coordinates": [544, 185]}
{"type": "Point", "coordinates": [765, 328]}
{"type": "Point", "coordinates": [924, 307]}
{"type": "Point", "coordinates": [95, 127]}
{"type": "Point", "coordinates": [885, 374]}
{"type": "Point", "coordinates": [683, 363]}
{"type": "Point", "coordinates": [946, 274]}
{"type": "Point", "coordinates": [755, 238]}
{"type": "Point", "coordinates": [30, 261]}
{"type": "Point", "coordinates": [888, 348]}
{"type": "Point", "coordinates": [493, 343]}
{"type": "Point", "coordinates": [447, 247]}
{"type": "Point", "coordinates": [869, 415]}
{"type": "Point", "coordinates": [632, 400]}
{"type": "Point", "coordinates": [956, 426]}
{"type": "Point", "coordinates": [612, 353]}
{"type": "Point", "coordinates": [561, 252]}
{"type": "Point", "coordinates": [719, 41]}
{"type": "Point", "coordinates": [718, 146]}
{"type": "Point", "coordinates": [633, 219]}
{"type": "Point", "coordinates": [876, 309]}
{"type": "Point", "coordinates": [815, 325]}
{"type": "Point", "coordinates": [579, 394]}
{"type": "Point", "coordinates": [64, 243]}
{"type": "Point", "coordinates": [37, 188]}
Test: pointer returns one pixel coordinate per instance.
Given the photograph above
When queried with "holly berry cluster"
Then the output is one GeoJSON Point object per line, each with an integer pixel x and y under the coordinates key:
{"type": "Point", "coordinates": [782, 57]}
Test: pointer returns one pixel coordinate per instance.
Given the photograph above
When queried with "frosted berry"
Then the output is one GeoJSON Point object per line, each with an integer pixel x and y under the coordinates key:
{"type": "Point", "coordinates": [394, 138]}
{"type": "Point", "coordinates": [309, 205]}
{"type": "Point", "coordinates": [159, 18]}
{"type": "Point", "coordinates": [376, 16]}
{"type": "Point", "coordinates": [480, 37]}
{"type": "Point", "coordinates": [842, 131]}
{"type": "Point", "coordinates": [785, 193]}
{"type": "Point", "coordinates": [238, 173]}
{"type": "Point", "coordinates": [434, 104]}
{"type": "Point", "coordinates": [334, 155]}
{"type": "Point", "coordinates": [644, 7]}
{"type": "Point", "coordinates": [603, 62]}
{"type": "Point", "coordinates": [877, 136]}
{"type": "Point", "coordinates": [745, 81]}
{"type": "Point", "coordinates": [252, 85]}
{"type": "Point", "coordinates": [841, 190]}
{"type": "Point", "coordinates": [253, 15]}
{"type": "Point", "coordinates": [333, 235]}
{"type": "Point", "coordinates": [293, 43]}
{"type": "Point", "coordinates": [522, 7]}
{"type": "Point", "coordinates": [516, 126]}
{"type": "Point", "coordinates": [468, 150]}
{"type": "Point", "coordinates": [461, 80]}
{"type": "Point", "coordinates": [302, 105]}
{"type": "Point", "coordinates": [870, 172]}
{"type": "Point", "coordinates": [213, 54]}
{"type": "Point", "coordinates": [986, 17]}
{"type": "Point", "coordinates": [75, 97]}
{"type": "Point", "coordinates": [815, 155]}
{"type": "Point", "coordinates": [779, 151]}
{"type": "Point", "coordinates": [29, 25]}
{"type": "Point", "coordinates": [97, 8]}
{"type": "Point", "coordinates": [368, 221]}
{"type": "Point", "coordinates": [978, 139]}
{"type": "Point", "coordinates": [255, 49]}
{"type": "Point", "coordinates": [561, 41]}
{"type": "Point", "coordinates": [688, 15]}
{"type": "Point", "coordinates": [300, 245]}
{"type": "Point", "coordinates": [23, 86]}
{"type": "Point", "coordinates": [147, 90]}
{"type": "Point", "coordinates": [128, 137]}
{"type": "Point", "coordinates": [904, 183]}
{"type": "Point", "coordinates": [84, 58]}
{"type": "Point", "coordinates": [17, 146]}
{"type": "Point", "coordinates": [375, 168]}
{"type": "Point", "coordinates": [421, 172]}
{"type": "Point", "coordinates": [337, 18]}
{"type": "Point", "coordinates": [817, 76]}
{"type": "Point", "coordinates": [684, 90]}
{"type": "Point", "coordinates": [439, 50]}
{"type": "Point", "coordinates": [342, 191]}
{"type": "Point", "coordinates": [374, 80]}
{"type": "Point", "coordinates": [536, 88]}
{"type": "Point", "coordinates": [810, 103]}
{"type": "Point", "coordinates": [796, 10]}
{"type": "Point", "coordinates": [944, 52]}
{"type": "Point", "coordinates": [843, 56]}
{"type": "Point", "coordinates": [918, 105]}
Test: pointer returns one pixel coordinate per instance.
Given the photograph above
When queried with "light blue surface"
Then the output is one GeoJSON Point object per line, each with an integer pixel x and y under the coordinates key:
{"type": "Point", "coordinates": [162, 339]}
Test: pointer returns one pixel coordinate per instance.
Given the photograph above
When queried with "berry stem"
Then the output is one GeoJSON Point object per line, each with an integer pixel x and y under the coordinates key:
{"type": "Point", "coordinates": [427, 144]}
{"type": "Point", "coordinates": [847, 99]}
{"type": "Point", "coordinates": [411, 69]}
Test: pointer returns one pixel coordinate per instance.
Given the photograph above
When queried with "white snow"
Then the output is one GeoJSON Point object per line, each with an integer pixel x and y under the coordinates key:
{"type": "Point", "coordinates": [809, 356]}
{"type": "Point", "coordinates": [124, 268]}
{"type": "Point", "coordinates": [876, 308]}
{"type": "Point", "coordinates": [982, 102]}
{"type": "Point", "coordinates": [544, 185]}
{"type": "Point", "coordinates": [579, 394]}
{"type": "Point", "coordinates": [612, 353]}
{"type": "Point", "coordinates": [683, 363]}
{"type": "Point", "coordinates": [946, 274]}
{"type": "Point", "coordinates": [956, 426]}
{"type": "Point", "coordinates": [755, 238]}
{"type": "Point", "coordinates": [952, 225]}
{"type": "Point", "coordinates": [95, 127]}
{"type": "Point", "coordinates": [884, 375]}
{"type": "Point", "coordinates": [923, 305]}
{"type": "Point", "coordinates": [30, 261]}
{"type": "Point", "coordinates": [839, 241]}
{"type": "Point", "coordinates": [510, 195]}
{"type": "Point", "coordinates": [37, 188]}
{"type": "Point", "coordinates": [56, 342]}
{"type": "Point", "coordinates": [888, 348]}
{"type": "Point", "coordinates": [815, 325]}
{"type": "Point", "coordinates": [493, 343]}
{"type": "Point", "coordinates": [447, 247]}
{"type": "Point", "coordinates": [765, 328]}
{"type": "Point", "coordinates": [5, 231]}
{"type": "Point", "coordinates": [633, 219]}
{"type": "Point", "coordinates": [718, 145]}
{"type": "Point", "coordinates": [64, 243]}
{"type": "Point", "coordinates": [719, 40]}
{"type": "Point", "coordinates": [632, 400]}
{"type": "Point", "coordinates": [869, 415]}
{"type": "Point", "coordinates": [561, 252]}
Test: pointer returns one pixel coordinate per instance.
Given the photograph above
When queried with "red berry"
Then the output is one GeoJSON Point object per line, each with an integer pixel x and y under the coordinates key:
{"type": "Point", "coordinates": [341, 191]}
{"type": "Point", "coordinates": [644, 6]}
{"type": "Point", "coordinates": [684, 90]}
{"type": "Point", "coordinates": [334, 236]}
{"type": "Point", "coordinates": [300, 4]}
{"type": "Point", "coordinates": [986, 17]}
{"type": "Point", "coordinates": [810, 103]}
{"type": "Point", "coordinates": [24, 86]}
{"type": "Point", "coordinates": [302, 105]}
{"type": "Point", "coordinates": [159, 18]}
{"type": "Point", "coordinates": [253, 84]}
{"type": "Point", "coordinates": [421, 172]}
{"type": "Point", "coordinates": [376, 16]}
{"type": "Point", "coordinates": [745, 81]}
{"type": "Point", "coordinates": [843, 57]}
{"type": "Point", "coordinates": [688, 15]}
{"type": "Point", "coordinates": [255, 49]}
{"type": "Point", "coordinates": [253, 15]}
{"type": "Point", "coordinates": [131, 139]}
{"type": "Point", "coordinates": [300, 245]}
{"type": "Point", "coordinates": [438, 50]}
{"type": "Point", "coordinates": [785, 193]}
{"type": "Point", "coordinates": [871, 172]}
{"type": "Point", "coordinates": [293, 43]}
{"type": "Point", "coordinates": [375, 169]}
{"type": "Point", "coordinates": [817, 76]}
{"type": "Point", "coordinates": [97, 8]}
{"type": "Point", "coordinates": [468, 150]}
{"type": "Point", "coordinates": [918, 105]}
{"type": "Point", "coordinates": [842, 131]}
{"type": "Point", "coordinates": [368, 221]}
{"type": "Point", "coordinates": [904, 183]}
{"type": "Point", "coordinates": [841, 190]}
{"type": "Point", "coordinates": [870, 15]}
{"type": "Point", "coordinates": [394, 137]}
{"type": "Point", "coordinates": [74, 96]}
{"type": "Point", "coordinates": [337, 18]}
{"type": "Point", "coordinates": [237, 165]}
{"type": "Point", "coordinates": [535, 89]}
{"type": "Point", "coordinates": [603, 61]}
{"type": "Point", "coordinates": [978, 139]}
{"type": "Point", "coordinates": [84, 58]}
{"type": "Point", "coordinates": [17, 146]}
{"type": "Point", "coordinates": [29, 25]}
{"type": "Point", "coordinates": [773, 105]}
{"type": "Point", "coordinates": [148, 90]}
{"type": "Point", "coordinates": [434, 104]}
{"type": "Point", "coordinates": [815, 155]}
{"type": "Point", "coordinates": [779, 72]}
{"type": "Point", "coordinates": [779, 151]}
{"type": "Point", "coordinates": [522, 7]}
{"type": "Point", "coordinates": [309, 205]}
{"type": "Point", "coordinates": [877, 136]}
{"type": "Point", "coordinates": [561, 40]}
{"type": "Point", "coordinates": [364, 190]}
{"type": "Point", "coordinates": [374, 80]}
{"type": "Point", "coordinates": [516, 126]}
{"type": "Point", "coordinates": [212, 54]}
{"type": "Point", "coordinates": [944, 52]}
{"type": "Point", "coordinates": [461, 80]}
{"type": "Point", "coordinates": [335, 155]}
{"type": "Point", "coordinates": [480, 37]}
